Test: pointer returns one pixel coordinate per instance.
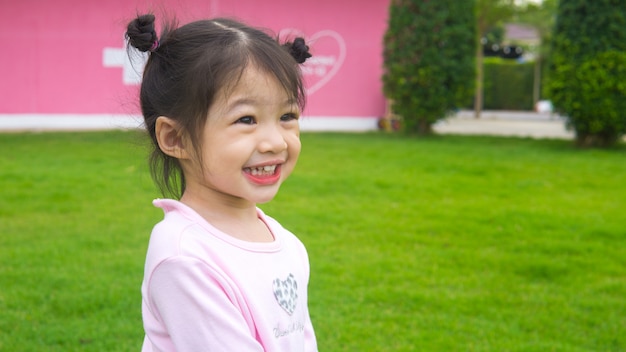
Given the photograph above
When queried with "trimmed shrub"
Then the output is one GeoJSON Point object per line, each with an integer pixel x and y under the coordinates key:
{"type": "Point", "coordinates": [428, 59]}
{"type": "Point", "coordinates": [587, 74]}
{"type": "Point", "coordinates": [508, 85]}
{"type": "Point", "coordinates": [597, 108]}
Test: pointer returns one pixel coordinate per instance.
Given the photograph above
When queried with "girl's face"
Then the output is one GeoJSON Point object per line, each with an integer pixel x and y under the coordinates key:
{"type": "Point", "coordinates": [251, 142]}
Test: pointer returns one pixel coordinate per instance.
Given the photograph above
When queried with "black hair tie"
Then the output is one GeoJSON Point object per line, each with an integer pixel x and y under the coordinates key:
{"type": "Point", "coordinates": [299, 50]}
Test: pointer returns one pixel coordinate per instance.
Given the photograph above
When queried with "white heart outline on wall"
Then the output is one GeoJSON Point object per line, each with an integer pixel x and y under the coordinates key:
{"type": "Point", "coordinates": [310, 42]}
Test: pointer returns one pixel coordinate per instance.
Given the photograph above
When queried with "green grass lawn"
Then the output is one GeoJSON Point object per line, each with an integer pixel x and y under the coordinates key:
{"type": "Point", "coordinates": [448, 243]}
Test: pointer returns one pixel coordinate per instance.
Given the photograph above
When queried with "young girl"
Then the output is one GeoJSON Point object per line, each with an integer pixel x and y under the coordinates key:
{"type": "Point", "coordinates": [221, 103]}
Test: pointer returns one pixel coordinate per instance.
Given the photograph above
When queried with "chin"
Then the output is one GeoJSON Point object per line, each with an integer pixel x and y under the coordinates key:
{"type": "Point", "coordinates": [266, 198]}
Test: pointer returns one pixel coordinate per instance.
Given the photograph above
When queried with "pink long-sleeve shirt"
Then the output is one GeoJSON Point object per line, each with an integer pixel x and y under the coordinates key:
{"type": "Point", "coordinates": [204, 290]}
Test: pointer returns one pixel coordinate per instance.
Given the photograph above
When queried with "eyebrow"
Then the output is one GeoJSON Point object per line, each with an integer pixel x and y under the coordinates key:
{"type": "Point", "coordinates": [252, 101]}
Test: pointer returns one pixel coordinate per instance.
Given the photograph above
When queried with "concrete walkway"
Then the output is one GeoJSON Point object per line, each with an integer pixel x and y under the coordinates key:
{"type": "Point", "coordinates": [506, 123]}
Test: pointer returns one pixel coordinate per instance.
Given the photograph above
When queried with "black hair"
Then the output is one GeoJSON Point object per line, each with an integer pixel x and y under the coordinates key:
{"type": "Point", "coordinates": [189, 65]}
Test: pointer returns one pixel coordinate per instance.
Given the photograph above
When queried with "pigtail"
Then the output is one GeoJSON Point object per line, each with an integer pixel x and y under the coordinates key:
{"type": "Point", "coordinates": [141, 33]}
{"type": "Point", "coordinates": [298, 50]}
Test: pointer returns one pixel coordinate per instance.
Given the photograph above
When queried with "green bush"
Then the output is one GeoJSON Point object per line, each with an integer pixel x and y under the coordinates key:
{"type": "Point", "coordinates": [428, 59]}
{"type": "Point", "coordinates": [597, 109]}
{"type": "Point", "coordinates": [508, 85]}
{"type": "Point", "coordinates": [587, 74]}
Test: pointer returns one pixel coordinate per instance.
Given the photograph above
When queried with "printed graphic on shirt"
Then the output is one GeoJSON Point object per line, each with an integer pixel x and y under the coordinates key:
{"type": "Point", "coordinates": [291, 328]}
{"type": "Point", "coordinates": [286, 293]}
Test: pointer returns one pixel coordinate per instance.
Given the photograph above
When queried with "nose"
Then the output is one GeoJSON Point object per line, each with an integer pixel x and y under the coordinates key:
{"type": "Point", "coordinates": [272, 139]}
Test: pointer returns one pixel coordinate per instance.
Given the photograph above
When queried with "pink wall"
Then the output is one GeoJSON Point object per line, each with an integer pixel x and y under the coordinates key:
{"type": "Point", "coordinates": [67, 57]}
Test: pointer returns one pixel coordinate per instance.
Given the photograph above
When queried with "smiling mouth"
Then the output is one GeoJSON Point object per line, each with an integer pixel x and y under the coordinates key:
{"type": "Point", "coordinates": [267, 170]}
{"type": "Point", "coordinates": [263, 175]}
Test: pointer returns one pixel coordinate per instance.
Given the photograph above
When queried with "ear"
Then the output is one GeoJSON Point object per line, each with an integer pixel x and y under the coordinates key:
{"type": "Point", "coordinates": [170, 138]}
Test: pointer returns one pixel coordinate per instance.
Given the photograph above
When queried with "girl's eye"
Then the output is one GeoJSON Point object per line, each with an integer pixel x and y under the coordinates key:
{"type": "Point", "coordinates": [248, 120]}
{"type": "Point", "coordinates": [289, 117]}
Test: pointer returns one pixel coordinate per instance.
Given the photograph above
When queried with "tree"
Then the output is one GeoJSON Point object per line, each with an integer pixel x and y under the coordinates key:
{"type": "Point", "coordinates": [489, 13]}
{"type": "Point", "coordinates": [588, 69]}
{"type": "Point", "coordinates": [428, 60]}
{"type": "Point", "coordinates": [541, 17]}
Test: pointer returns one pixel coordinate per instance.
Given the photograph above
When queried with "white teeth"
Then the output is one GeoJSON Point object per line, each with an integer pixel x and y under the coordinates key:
{"type": "Point", "coordinates": [263, 170]}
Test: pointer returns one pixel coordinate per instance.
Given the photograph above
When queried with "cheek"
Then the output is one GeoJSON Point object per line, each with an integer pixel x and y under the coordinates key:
{"type": "Point", "coordinates": [294, 147]}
